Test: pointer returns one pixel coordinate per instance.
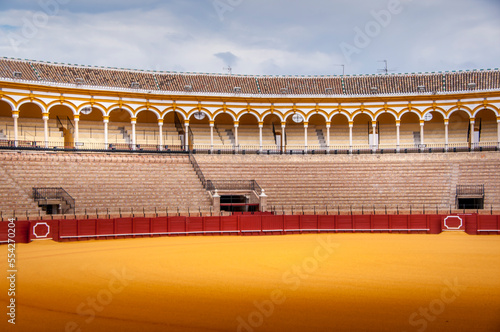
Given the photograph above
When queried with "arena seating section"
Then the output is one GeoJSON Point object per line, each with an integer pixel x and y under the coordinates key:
{"type": "Point", "coordinates": [127, 181]}
{"type": "Point", "coordinates": [259, 85]}
{"type": "Point", "coordinates": [102, 181]}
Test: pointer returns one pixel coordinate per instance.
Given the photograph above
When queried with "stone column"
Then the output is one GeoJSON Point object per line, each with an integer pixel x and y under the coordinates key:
{"type": "Point", "coordinates": [351, 125]}
{"type": "Point", "coordinates": [76, 118]}
{"type": "Point", "coordinates": [133, 121]}
{"type": "Point", "coordinates": [472, 136]}
{"type": "Point", "coordinates": [328, 125]}
{"type": "Point", "coordinates": [263, 201]}
{"type": "Point", "coordinates": [105, 120]}
{"type": "Point", "coordinates": [283, 126]}
{"type": "Point", "coordinates": [46, 129]}
{"type": "Point", "coordinates": [15, 117]}
{"type": "Point", "coordinates": [398, 125]}
{"type": "Point", "coordinates": [212, 124]}
{"type": "Point", "coordinates": [446, 139]}
{"type": "Point", "coordinates": [261, 126]}
{"type": "Point", "coordinates": [186, 135]}
{"type": "Point", "coordinates": [160, 136]}
{"type": "Point", "coordinates": [306, 125]}
{"type": "Point", "coordinates": [374, 140]}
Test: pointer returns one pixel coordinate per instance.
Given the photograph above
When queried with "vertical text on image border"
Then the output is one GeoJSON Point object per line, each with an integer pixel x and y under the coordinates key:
{"type": "Point", "coordinates": [11, 271]}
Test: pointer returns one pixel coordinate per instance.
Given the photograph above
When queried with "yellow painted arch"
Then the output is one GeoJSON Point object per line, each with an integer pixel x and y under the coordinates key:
{"type": "Point", "coordinates": [93, 105]}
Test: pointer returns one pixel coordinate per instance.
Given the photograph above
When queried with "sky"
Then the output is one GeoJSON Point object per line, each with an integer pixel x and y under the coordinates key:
{"type": "Point", "coordinates": [256, 37]}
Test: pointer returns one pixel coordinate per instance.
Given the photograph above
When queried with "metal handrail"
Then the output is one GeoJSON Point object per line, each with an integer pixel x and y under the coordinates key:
{"type": "Point", "coordinates": [198, 170]}
{"type": "Point", "coordinates": [44, 194]}
{"type": "Point", "coordinates": [474, 190]}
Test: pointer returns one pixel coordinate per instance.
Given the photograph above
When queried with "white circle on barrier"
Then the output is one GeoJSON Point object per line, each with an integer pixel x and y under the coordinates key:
{"type": "Point", "coordinates": [40, 236]}
{"type": "Point", "coordinates": [453, 228]}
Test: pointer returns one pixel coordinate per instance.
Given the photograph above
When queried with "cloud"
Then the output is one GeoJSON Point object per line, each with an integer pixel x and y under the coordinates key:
{"type": "Point", "coordinates": [256, 37]}
{"type": "Point", "coordinates": [229, 58]}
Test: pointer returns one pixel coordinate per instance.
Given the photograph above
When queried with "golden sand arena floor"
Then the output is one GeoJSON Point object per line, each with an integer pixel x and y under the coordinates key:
{"type": "Point", "coordinates": [327, 282]}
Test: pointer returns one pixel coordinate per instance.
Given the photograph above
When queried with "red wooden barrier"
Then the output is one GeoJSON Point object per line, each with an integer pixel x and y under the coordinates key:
{"type": "Point", "coordinates": [159, 226]}
{"type": "Point", "coordinates": [272, 224]}
{"type": "Point", "coordinates": [141, 227]}
{"type": "Point", "coordinates": [326, 223]}
{"type": "Point", "coordinates": [105, 228]}
{"type": "Point", "coordinates": [230, 225]}
{"type": "Point", "coordinates": [291, 224]}
{"type": "Point", "coordinates": [488, 225]}
{"type": "Point", "coordinates": [63, 230]}
{"type": "Point", "coordinates": [250, 224]}
{"type": "Point", "coordinates": [176, 225]}
{"type": "Point", "coordinates": [194, 225]}
{"type": "Point", "coordinates": [212, 225]}
{"type": "Point", "coordinates": [380, 223]}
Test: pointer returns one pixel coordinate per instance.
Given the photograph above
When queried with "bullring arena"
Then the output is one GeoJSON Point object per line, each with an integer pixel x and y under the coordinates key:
{"type": "Point", "coordinates": [159, 201]}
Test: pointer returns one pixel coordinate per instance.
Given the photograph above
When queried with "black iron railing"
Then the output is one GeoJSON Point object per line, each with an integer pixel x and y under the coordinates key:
{"type": "Point", "coordinates": [470, 190]}
{"type": "Point", "coordinates": [43, 195]}
{"type": "Point", "coordinates": [222, 185]}
{"type": "Point", "coordinates": [198, 170]}
{"type": "Point", "coordinates": [247, 149]}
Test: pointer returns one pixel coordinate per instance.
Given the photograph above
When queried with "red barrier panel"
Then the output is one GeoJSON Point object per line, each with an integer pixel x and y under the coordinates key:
{"type": "Point", "coordinates": [61, 230]}
{"type": "Point", "coordinates": [326, 223]}
{"type": "Point", "coordinates": [308, 223]}
{"type": "Point", "coordinates": [141, 226]}
{"type": "Point", "coordinates": [398, 222]}
{"type": "Point", "coordinates": [124, 227]}
{"type": "Point", "coordinates": [159, 225]}
{"type": "Point", "coordinates": [344, 223]}
{"type": "Point", "coordinates": [291, 224]}
{"type": "Point", "coordinates": [213, 224]}
{"type": "Point", "coordinates": [86, 228]}
{"type": "Point", "coordinates": [17, 232]}
{"type": "Point", "coordinates": [380, 222]}
{"type": "Point", "coordinates": [361, 222]}
{"type": "Point", "coordinates": [434, 224]}
{"type": "Point", "coordinates": [470, 223]}
{"type": "Point", "coordinates": [68, 228]}
{"type": "Point", "coordinates": [272, 224]}
{"type": "Point", "coordinates": [194, 225]}
{"type": "Point", "coordinates": [418, 223]}
{"type": "Point", "coordinates": [488, 225]}
{"type": "Point", "coordinates": [250, 224]}
{"type": "Point", "coordinates": [230, 224]}
{"type": "Point", "coordinates": [176, 225]}
{"type": "Point", "coordinates": [105, 228]}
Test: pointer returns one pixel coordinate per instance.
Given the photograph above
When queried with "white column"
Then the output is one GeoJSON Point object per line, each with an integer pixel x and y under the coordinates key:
{"type": "Point", "coordinates": [398, 125]}
{"type": "Point", "coordinates": [46, 129]}
{"type": "Point", "coordinates": [236, 143]}
{"type": "Point", "coordinates": [328, 137]}
{"type": "Point", "coordinates": [261, 126]}
{"type": "Point", "coordinates": [133, 121]}
{"type": "Point", "coordinates": [212, 124]}
{"type": "Point", "coordinates": [76, 136]}
{"type": "Point", "coordinates": [105, 121]}
{"type": "Point", "coordinates": [422, 123]}
{"type": "Point", "coordinates": [446, 139]}
{"type": "Point", "coordinates": [160, 136]}
{"type": "Point", "coordinates": [374, 142]}
{"type": "Point", "coordinates": [15, 116]}
{"type": "Point", "coordinates": [472, 138]}
{"type": "Point", "coordinates": [283, 126]}
{"type": "Point", "coordinates": [306, 125]}
{"type": "Point", "coordinates": [351, 124]}
{"type": "Point", "coordinates": [186, 135]}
